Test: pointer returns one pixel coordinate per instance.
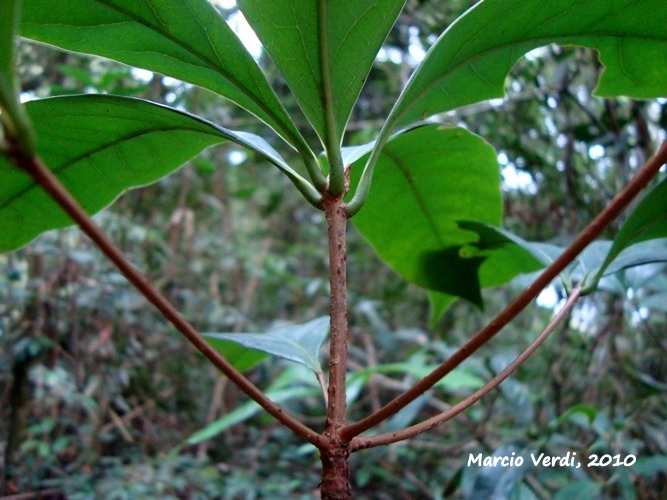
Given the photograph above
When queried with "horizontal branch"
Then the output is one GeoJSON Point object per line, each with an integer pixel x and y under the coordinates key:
{"type": "Point", "coordinates": [45, 178]}
{"type": "Point", "coordinates": [393, 437]}
{"type": "Point", "coordinates": [590, 233]}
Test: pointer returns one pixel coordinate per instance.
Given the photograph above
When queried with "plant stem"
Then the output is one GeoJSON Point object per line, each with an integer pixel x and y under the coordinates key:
{"type": "Point", "coordinates": [332, 139]}
{"type": "Point", "coordinates": [590, 233]}
{"type": "Point", "coordinates": [45, 178]}
{"type": "Point", "coordinates": [335, 468]}
{"type": "Point", "coordinates": [394, 437]}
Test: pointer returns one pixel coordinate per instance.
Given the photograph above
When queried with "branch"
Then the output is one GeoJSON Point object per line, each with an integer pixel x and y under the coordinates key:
{"type": "Point", "coordinates": [393, 437]}
{"type": "Point", "coordinates": [47, 180]}
{"type": "Point", "coordinates": [590, 233]}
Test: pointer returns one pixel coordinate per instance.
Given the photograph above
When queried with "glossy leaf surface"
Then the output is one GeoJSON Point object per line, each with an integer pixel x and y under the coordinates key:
{"type": "Point", "coordinates": [301, 343]}
{"type": "Point", "coordinates": [317, 42]}
{"type": "Point", "coordinates": [184, 39]}
{"type": "Point", "coordinates": [471, 59]}
{"type": "Point", "coordinates": [531, 256]}
{"type": "Point", "coordinates": [425, 181]}
{"type": "Point", "coordinates": [99, 146]}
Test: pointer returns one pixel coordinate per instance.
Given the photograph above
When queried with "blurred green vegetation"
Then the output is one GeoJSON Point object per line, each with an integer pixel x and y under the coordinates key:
{"type": "Point", "coordinates": [106, 390]}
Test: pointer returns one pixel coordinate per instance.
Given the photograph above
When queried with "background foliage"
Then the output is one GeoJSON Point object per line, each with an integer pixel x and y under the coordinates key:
{"type": "Point", "coordinates": [110, 394]}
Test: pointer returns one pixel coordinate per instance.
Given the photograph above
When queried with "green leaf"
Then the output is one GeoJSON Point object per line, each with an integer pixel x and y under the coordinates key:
{"type": "Point", "coordinates": [99, 146]}
{"type": "Point", "coordinates": [508, 255]}
{"type": "Point", "coordinates": [639, 254]}
{"type": "Point", "coordinates": [184, 39]}
{"type": "Point", "coordinates": [300, 344]}
{"type": "Point", "coordinates": [245, 412]}
{"type": "Point", "coordinates": [324, 49]}
{"type": "Point", "coordinates": [439, 302]}
{"type": "Point", "coordinates": [492, 238]}
{"type": "Point", "coordinates": [588, 412]}
{"type": "Point", "coordinates": [650, 466]}
{"type": "Point", "coordinates": [242, 358]}
{"type": "Point", "coordinates": [647, 222]}
{"type": "Point", "coordinates": [295, 382]}
{"type": "Point", "coordinates": [584, 488]}
{"type": "Point", "coordinates": [13, 119]}
{"type": "Point", "coordinates": [426, 180]}
{"type": "Point", "coordinates": [470, 61]}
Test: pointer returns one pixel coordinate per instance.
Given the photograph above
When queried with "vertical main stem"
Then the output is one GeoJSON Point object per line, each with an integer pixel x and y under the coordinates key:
{"type": "Point", "coordinates": [337, 223]}
{"type": "Point", "coordinates": [335, 467]}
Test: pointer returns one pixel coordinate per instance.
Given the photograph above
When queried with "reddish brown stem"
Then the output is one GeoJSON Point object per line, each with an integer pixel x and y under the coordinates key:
{"type": "Point", "coordinates": [590, 233]}
{"type": "Point", "coordinates": [45, 178]}
{"type": "Point", "coordinates": [393, 437]}
{"type": "Point", "coordinates": [335, 468]}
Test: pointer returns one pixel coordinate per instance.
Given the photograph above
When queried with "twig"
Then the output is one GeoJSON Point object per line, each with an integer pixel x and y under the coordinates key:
{"type": "Point", "coordinates": [393, 437]}
{"type": "Point", "coordinates": [47, 180]}
{"type": "Point", "coordinates": [37, 495]}
{"type": "Point", "coordinates": [127, 417]}
{"type": "Point", "coordinates": [372, 362]}
{"type": "Point", "coordinates": [590, 233]}
{"type": "Point", "coordinates": [118, 423]}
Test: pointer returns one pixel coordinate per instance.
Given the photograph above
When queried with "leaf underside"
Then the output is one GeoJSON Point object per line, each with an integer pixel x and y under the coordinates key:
{"type": "Point", "coordinates": [293, 34]}
{"type": "Point", "coordinates": [425, 181]}
{"type": "Point", "coordinates": [470, 61]}
{"type": "Point", "coordinates": [99, 146]}
{"type": "Point", "coordinates": [184, 39]}
{"type": "Point", "coordinates": [299, 343]}
{"type": "Point", "coordinates": [647, 222]}
{"type": "Point", "coordinates": [600, 258]}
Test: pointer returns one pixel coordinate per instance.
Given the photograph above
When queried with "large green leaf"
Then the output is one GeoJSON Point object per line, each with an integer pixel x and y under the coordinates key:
{"type": "Point", "coordinates": [184, 39]}
{"type": "Point", "coordinates": [99, 146]}
{"type": "Point", "coordinates": [12, 117]}
{"type": "Point", "coordinates": [324, 49]}
{"type": "Point", "coordinates": [471, 59]}
{"type": "Point", "coordinates": [301, 343]}
{"type": "Point", "coordinates": [425, 181]}
{"type": "Point", "coordinates": [527, 256]}
{"type": "Point", "coordinates": [647, 222]}
{"type": "Point", "coordinates": [646, 252]}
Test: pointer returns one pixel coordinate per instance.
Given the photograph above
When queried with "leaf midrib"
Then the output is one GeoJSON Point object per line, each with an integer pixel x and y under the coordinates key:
{"type": "Point", "coordinates": [209, 63]}
{"type": "Point", "coordinates": [541, 41]}
{"type": "Point", "coordinates": [306, 356]}
{"type": "Point", "coordinates": [70, 163]}
{"type": "Point", "coordinates": [404, 170]}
